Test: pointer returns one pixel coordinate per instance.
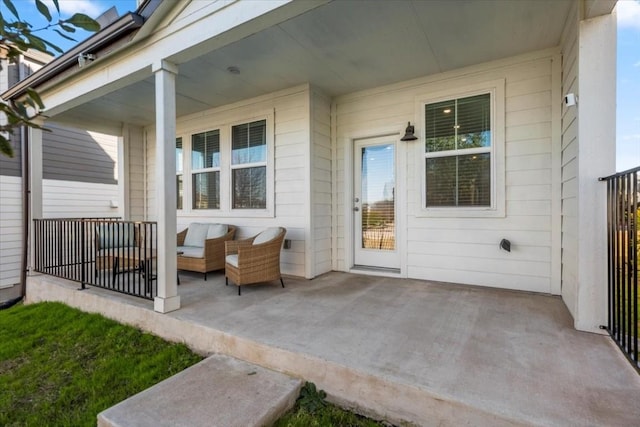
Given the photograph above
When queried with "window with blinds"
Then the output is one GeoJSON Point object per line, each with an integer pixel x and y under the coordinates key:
{"type": "Point", "coordinates": [249, 165]}
{"type": "Point", "coordinates": [458, 151]}
{"type": "Point", "coordinates": [179, 172]}
{"type": "Point", "coordinates": [227, 168]}
{"type": "Point", "coordinates": [205, 166]}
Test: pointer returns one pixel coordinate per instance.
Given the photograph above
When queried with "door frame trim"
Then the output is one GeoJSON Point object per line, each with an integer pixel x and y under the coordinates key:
{"type": "Point", "coordinates": [401, 199]}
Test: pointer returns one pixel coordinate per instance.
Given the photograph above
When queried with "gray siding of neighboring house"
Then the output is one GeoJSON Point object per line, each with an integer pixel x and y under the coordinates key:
{"type": "Point", "coordinates": [75, 155]}
{"type": "Point", "coordinates": [11, 166]}
{"type": "Point", "coordinates": [69, 155]}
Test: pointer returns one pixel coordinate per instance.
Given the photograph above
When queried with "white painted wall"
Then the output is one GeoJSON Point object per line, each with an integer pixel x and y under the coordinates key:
{"type": "Point", "coordinates": [10, 230]}
{"type": "Point", "coordinates": [456, 249]}
{"type": "Point", "coordinates": [321, 186]}
{"type": "Point", "coordinates": [290, 111]}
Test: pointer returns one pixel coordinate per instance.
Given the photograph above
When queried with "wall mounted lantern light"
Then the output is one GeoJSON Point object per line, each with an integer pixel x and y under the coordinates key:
{"type": "Point", "coordinates": [409, 133]}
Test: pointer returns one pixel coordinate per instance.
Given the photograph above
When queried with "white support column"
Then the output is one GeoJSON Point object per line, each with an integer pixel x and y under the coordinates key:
{"type": "Point", "coordinates": [35, 187]}
{"type": "Point", "coordinates": [596, 158]}
{"type": "Point", "coordinates": [168, 298]}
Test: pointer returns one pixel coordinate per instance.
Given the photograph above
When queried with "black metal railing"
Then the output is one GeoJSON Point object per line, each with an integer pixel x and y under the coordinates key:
{"type": "Point", "coordinates": [623, 214]}
{"type": "Point", "coordinates": [103, 252]}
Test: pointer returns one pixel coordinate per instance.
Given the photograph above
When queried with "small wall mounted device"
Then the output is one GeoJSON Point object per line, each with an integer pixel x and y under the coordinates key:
{"type": "Point", "coordinates": [570, 99]}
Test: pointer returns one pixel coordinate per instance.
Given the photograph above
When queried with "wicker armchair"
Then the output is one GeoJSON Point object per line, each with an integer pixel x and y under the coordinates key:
{"type": "Point", "coordinates": [212, 256]}
{"type": "Point", "coordinates": [254, 260]}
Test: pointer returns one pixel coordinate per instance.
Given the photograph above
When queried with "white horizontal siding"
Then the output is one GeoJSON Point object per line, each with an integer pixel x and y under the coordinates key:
{"type": "Point", "coordinates": [137, 168]}
{"type": "Point", "coordinates": [570, 165]}
{"type": "Point", "coordinates": [290, 109]}
{"type": "Point", "coordinates": [73, 199]}
{"type": "Point", "coordinates": [465, 250]}
{"type": "Point", "coordinates": [134, 147]}
{"type": "Point", "coordinates": [321, 183]}
{"type": "Point", "coordinates": [10, 230]}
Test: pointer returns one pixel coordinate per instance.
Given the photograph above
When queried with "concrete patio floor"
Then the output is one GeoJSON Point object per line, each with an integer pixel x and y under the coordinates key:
{"type": "Point", "coordinates": [404, 350]}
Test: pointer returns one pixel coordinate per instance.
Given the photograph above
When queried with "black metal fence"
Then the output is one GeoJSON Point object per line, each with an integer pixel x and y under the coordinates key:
{"type": "Point", "coordinates": [623, 212]}
{"type": "Point", "coordinates": [103, 252]}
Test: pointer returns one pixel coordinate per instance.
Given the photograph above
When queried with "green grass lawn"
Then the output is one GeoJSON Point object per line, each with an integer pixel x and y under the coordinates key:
{"type": "Point", "coordinates": [60, 366]}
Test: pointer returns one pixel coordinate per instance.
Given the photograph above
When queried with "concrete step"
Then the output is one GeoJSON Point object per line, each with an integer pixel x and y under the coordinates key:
{"type": "Point", "coordinates": [219, 391]}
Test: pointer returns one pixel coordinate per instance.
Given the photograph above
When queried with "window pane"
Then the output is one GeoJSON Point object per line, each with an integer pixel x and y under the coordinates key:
{"type": "Point", "coordinates": [250, 188]}
{"type": "Point", "coordinates": [179, 159]}
{"type": "Point", "coordinates": [459, 180]}
{"type": "Point", "coordinates": [474, 121]}
{"type": "Point", "coordinates": [440, 119]}
{"type": "Point", "coordinates": [474, 180]}
{"type": "Point", "coordinates": [458, 124]}
{"type": "Point", "coordinates": [249, 143]}
{"type": "Point", "coordinates": [206, 190]}
{"type": "Point", "coordinates": [179, 191]}
{"type": "Point", "coordinates": [205, 150]}
{"type": "Point", "coordinates": [441, 181]}
{"type": "Point", "coordinates": [378, 197]}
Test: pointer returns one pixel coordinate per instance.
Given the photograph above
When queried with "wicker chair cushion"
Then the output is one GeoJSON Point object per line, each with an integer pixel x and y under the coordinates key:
{"type": "Point", "coordinates": [191, 251]}
{"type": "Point", "coordinates": [232, 260]}
{"type": "Point", "coordinates": [217, 230]}
{"type": "Point", "coordinates": [266, 235]}
{"type": "Point", "coordinates": [196, 234]}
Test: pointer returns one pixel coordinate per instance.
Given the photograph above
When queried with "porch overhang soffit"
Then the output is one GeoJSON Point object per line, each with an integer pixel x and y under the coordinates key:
{"type": "Point", "coordinates": [594, 8]}
{"type": "Point", "coordinates": [165, 30]}
{"type": "Point", "coordinates": [338, 46]}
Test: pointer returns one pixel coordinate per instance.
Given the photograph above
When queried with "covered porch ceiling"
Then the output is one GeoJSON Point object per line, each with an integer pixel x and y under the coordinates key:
{"type": "Point", "coordinates": [342, 47]}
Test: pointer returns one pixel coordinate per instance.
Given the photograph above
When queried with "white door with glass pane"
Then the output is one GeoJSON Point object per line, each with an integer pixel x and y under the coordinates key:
{"type": "Point", "coordinates": [374, 203]}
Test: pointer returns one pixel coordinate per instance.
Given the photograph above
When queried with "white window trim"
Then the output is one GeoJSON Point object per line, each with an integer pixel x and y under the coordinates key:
{"type": "Point", "coordinates": [496, 89]}
{"type": "Point", "coordinates": [225, 168]}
